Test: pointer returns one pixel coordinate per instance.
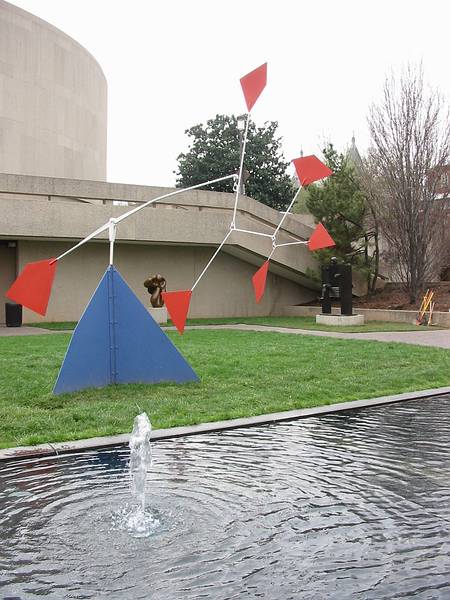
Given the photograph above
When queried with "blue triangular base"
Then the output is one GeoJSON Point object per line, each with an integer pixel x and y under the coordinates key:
{"type": "Point", "coordinates": [117, 341]}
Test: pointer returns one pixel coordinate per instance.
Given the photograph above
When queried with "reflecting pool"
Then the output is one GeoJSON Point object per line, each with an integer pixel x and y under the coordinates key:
{"type": "Point", "coordinates": [348, 505]}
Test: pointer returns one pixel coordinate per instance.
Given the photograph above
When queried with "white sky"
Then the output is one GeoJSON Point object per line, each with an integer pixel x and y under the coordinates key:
{"type": "Point", "coordinates": [175, 63]}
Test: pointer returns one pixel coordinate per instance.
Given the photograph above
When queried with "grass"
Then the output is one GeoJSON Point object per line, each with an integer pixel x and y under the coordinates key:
{"type": "Point", "coordinates": [57, 326]}
{"type": "Point", "coordinates": [242, 374]}
{"type": "Point", "coordinates": [308, 323]}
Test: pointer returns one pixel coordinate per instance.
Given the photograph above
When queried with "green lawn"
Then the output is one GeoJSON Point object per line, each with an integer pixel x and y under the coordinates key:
{"type": "Point", "coordinates": [294, 322]}
{"type": "Point", "coordinates": [308, 323]}
{"type": "Point", "coordinates": [57, 326]}
{"type": "Point", "coordinates": [242, 374]}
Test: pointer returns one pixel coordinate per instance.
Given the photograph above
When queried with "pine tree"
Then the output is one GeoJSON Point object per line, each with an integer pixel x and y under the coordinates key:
{"type": "Point", "coordinates": [339, 204]}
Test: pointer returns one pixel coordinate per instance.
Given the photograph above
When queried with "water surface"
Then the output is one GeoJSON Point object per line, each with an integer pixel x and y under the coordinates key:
{"type": "Point", "coordinates": [350, 505]}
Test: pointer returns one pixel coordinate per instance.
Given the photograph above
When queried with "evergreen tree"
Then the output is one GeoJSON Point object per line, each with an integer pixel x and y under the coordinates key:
{"type": "Point", "coordinates": [215, 152]}
{"type": "Point", "coordinates": [343, 204]}
{"type": "Point", "coordinates": [339, 203]}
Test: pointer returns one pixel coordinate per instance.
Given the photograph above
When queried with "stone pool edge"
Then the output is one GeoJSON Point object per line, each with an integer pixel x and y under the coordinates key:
{"type": "Point", "coordinates": [57, 448]}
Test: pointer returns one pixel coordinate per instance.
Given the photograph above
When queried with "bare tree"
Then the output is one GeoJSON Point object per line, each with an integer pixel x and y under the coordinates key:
{"type": "Point", "coordinates": [369, 181]}
{"type": "Point", "coordinates": [410, 131]}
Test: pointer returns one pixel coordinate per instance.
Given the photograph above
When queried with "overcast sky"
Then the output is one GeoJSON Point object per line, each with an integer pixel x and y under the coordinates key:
{"type": "Point", "coordinates": [175, 63]}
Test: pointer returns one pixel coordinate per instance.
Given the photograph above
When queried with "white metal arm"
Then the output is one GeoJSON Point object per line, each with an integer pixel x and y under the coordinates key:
{"type": "Point", "coordinates": [117, 220]}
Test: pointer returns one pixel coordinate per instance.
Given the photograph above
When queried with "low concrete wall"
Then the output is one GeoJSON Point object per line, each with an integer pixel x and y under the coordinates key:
{"type": "Point", "coordinates": [58, 448]}
{"type": "Point", "coordinates": [45, 208]}
{"type": "Point", "coordinates": [370, 314]}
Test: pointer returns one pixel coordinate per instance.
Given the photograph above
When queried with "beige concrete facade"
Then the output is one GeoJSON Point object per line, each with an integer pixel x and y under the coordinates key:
{"type": "Point", "coordinates": [53, 101]}
{"type": "Point", "coordinates": [45, 216]}
{"type": "Point", "coordinates": [225, 291]}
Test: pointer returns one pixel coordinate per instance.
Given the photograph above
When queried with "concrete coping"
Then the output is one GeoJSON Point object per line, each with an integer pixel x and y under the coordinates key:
{"type": "Point", "coordinates": [59, 448]}
{"type": "Point", "coordinates": [340, 320]}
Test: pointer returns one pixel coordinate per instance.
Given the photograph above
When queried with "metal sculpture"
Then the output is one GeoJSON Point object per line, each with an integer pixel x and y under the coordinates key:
{"type": "Point", "coordinates": [309, 169]}
{"type": "Point", "coordinates": [337, 285]}
{"type": "Point", "coordinates": [117, 341]}
{"type": "Point", "coordinates": [115, 338]}
{"type": "Point", "coordinates": [156, 285]}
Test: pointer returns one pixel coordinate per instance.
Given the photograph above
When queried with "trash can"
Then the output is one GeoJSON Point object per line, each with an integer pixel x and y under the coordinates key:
{"type": "Point", "coordinates": [13, 314]}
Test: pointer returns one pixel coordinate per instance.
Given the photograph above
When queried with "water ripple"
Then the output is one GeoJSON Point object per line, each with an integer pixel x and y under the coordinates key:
{"type": "Point", "coordinates": [353, 505]}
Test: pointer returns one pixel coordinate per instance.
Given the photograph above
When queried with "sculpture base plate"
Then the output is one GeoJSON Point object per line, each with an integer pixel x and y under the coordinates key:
{"type": "Point", "coordinates": [159, 314]}
{"type": "Point", "coordinates": [340, 320]}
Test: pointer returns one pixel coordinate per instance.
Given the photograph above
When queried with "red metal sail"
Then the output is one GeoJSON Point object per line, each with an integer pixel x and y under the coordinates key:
{"type": "Point", "coordinates": [253, 84]}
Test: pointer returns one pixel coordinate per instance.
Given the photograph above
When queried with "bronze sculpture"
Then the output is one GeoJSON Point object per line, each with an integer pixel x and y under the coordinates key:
{"type": "Point", "coordinates": [156, 284]}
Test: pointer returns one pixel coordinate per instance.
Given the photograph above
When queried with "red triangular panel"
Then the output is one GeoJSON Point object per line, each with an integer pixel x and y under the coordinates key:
{"type": "Point", "coordinates": [34, 285]}
{"type": "Point", "coordinates": [320, 239]}
{"type": "Point", "coordinates": [253, 84]}
{"type": "Point", "coordinates": [177, 304]}
{"type": "Point", "coordinates": [310, 169]}
{"type": "Point", "coordinates": [259, 281]}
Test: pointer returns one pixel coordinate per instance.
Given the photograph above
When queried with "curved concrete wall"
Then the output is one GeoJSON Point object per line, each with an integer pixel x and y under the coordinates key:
{"type": "Point", "coordinates": [53, 98]}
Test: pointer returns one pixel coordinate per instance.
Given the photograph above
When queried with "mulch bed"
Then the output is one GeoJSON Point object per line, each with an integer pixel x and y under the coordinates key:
{"type": "Point", "coordinates": [392, 297]}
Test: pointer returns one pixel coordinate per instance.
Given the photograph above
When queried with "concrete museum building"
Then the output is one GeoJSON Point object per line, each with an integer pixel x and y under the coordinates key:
{"type": "Point", "coordinates": [53, 129]}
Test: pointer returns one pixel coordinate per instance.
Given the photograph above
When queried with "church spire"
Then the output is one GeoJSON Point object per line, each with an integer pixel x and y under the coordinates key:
{"type": "Point", "coordinates": [353, 155]}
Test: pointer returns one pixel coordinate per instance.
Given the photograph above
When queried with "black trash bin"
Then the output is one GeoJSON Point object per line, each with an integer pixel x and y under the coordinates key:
{"type": "Point", "coordinates": [13, 314]}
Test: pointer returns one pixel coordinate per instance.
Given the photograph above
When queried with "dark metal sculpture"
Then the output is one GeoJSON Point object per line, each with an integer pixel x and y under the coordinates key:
{"type": "Point", "coordinates": [156, 284]}
{"type": "Point", "coordinates": [337, 285]}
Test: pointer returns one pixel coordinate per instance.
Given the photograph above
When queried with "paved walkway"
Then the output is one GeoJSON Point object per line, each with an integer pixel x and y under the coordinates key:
{"type": "Point", "coordinates": [25, 330]}
{"type": "Point", "coordinates": [438, 338]}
